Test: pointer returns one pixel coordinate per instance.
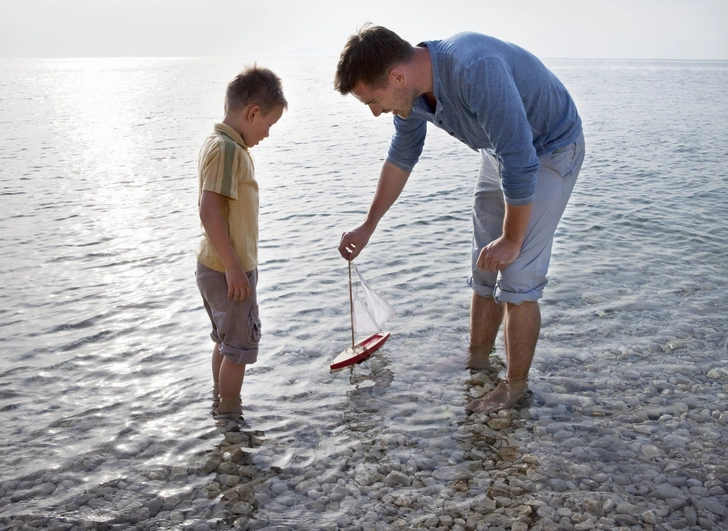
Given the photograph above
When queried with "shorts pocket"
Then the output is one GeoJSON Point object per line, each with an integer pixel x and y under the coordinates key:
{"type": "Point", "coordinates": [213, 287]}
{"type": "Point", "coordinates": [562, 160]}
{"type": "Point", "coordinates": [254, 325]}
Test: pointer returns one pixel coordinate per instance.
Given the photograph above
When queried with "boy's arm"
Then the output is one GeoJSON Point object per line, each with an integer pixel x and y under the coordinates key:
{"type": "Point", "coordinates": [211, 208]}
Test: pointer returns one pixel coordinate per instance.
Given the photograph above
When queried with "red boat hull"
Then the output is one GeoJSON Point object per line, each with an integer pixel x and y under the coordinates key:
{"type": "Point", "coordinates": [360, 352]}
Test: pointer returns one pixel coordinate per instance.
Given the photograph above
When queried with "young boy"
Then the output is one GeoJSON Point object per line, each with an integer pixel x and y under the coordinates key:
{"type": "Point", "coordinates": [227, 257]}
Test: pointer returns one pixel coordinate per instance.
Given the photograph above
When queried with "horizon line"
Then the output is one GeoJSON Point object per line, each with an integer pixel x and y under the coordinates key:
{"type": "Point", "coordinates": [137, 57]}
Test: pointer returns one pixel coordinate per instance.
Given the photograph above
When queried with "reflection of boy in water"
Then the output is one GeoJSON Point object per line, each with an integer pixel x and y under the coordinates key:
{"type": "Point", "coordinates": [227, 267]}
{"type": "Point", "coordinates": [499, 99]}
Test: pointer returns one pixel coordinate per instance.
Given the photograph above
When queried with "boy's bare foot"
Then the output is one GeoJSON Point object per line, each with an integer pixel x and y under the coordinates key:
{"type": "Point", "coordinates": [230, 407]}
{"type": "Point", "coordinates": [215, 395]}
{"type": "Point", "coordinates": [504, 396]}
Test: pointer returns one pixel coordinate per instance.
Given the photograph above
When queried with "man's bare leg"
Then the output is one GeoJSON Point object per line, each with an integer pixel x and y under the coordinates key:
{"type": "Point", "coordinates": [486, 316]}
{"type": "Point", "coordinates": [523, 324]}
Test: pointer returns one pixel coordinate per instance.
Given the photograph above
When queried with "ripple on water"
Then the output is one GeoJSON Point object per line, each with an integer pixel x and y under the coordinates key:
{"type": "Point", "coordinates": [104, 390]}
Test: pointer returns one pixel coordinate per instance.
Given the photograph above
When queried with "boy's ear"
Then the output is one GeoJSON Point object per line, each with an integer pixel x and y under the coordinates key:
{"type": "Point", "coordinates": [252, 111]}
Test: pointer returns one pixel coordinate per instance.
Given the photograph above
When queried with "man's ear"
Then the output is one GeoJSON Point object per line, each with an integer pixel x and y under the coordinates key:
{"type": "Point", "coordinates": [251, 112]}
{"type": "Point", "coordinates": [396, 75]}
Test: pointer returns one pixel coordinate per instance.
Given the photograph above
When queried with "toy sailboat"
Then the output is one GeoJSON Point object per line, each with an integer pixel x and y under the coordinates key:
{"type": "Point", "coordinates": [369, 312]}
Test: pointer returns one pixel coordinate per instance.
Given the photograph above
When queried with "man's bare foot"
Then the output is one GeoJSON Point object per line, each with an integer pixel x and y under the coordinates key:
{"type": "Point", "coordinates": [504, 396]}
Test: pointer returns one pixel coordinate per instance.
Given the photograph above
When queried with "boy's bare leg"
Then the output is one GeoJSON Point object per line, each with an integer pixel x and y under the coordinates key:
{"type": "Point", "coordinates": [216, 362]}
{"type": "Point", "coordinates": [522, 326]}
{"type": "Point", "coordinates": [485, 319]}
{"type": "Point", "coordinates": [231, 382]}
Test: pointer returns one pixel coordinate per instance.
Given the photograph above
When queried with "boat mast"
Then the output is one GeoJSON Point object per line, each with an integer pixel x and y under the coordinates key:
{"type": "Point", "coordinates": [351, 308]}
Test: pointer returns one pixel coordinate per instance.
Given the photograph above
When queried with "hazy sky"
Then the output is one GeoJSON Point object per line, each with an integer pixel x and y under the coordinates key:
{"type": "Point", "coordinates": [643, 29]}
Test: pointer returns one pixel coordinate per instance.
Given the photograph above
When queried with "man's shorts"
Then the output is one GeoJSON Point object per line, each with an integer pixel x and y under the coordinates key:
{"type": "Point", "coordinates": [235, 324]}
{"type": "Point", "coordinates": [525, 278]}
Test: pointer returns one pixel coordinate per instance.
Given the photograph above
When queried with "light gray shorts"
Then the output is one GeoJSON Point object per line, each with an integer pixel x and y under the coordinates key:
{"type": "Point", "coordinates": [235, 324]}
{"type": "Point", "coordinates": [524, 279]}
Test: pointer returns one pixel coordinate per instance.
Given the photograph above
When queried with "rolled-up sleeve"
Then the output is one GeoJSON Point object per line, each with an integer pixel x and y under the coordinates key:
{"type": "Point", "coordinates": [407, 142]}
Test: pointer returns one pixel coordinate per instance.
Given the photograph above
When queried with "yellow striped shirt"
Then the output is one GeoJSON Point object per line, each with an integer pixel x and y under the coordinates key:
{"type": "Point", "coordinates": [226, 168]}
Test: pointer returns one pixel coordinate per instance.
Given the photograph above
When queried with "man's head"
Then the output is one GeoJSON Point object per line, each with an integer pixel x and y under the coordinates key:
{"type": "Point", "coordinates": [254, 102]}
{"type": "Point", "coordinates": [368, 57]}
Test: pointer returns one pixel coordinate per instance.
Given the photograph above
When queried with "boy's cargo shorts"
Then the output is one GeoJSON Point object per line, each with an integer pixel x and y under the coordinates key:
{"type": "Point", "coordinates": [235, 324]}
{"type": "Point", "coordinates": [525, 278]}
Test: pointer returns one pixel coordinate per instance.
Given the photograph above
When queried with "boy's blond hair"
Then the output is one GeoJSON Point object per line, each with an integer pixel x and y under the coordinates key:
{"type": "Point", "coordinates": [257, 86]}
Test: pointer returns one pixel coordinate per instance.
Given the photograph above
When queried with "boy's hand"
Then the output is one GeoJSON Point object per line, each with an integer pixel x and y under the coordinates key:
{"type": "Point", "coordinates": [238, 284]}
{"type": "Point", "coordinates": [211, 208]}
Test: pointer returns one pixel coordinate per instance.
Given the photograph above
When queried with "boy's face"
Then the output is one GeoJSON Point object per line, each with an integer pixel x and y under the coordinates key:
{"type": "Point", "coordinates": [258, 124]}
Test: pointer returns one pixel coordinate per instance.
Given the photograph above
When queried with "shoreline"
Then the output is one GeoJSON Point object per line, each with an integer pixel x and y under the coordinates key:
{"type": "Point", "coordinates": [560, 462]}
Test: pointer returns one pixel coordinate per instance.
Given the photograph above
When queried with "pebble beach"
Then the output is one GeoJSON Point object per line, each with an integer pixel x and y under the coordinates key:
{"type": "Point", "coordinates": [583, 454]}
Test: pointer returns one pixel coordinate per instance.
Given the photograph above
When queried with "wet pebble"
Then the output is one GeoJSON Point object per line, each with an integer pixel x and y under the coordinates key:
{"type": "Point", "coordinates": [615, 455]}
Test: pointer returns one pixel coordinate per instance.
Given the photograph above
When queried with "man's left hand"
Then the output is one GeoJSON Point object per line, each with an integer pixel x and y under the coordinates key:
{"type": "Point", "coordinates": [498, 255]}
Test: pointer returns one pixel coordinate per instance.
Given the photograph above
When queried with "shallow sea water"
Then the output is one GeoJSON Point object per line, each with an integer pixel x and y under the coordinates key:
{"type": "Point", "coordinates": [103, 338]}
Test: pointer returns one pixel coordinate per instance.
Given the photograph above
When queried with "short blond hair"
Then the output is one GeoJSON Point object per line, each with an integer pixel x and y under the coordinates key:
{"type": "Point", "coordinates": [257, 86]}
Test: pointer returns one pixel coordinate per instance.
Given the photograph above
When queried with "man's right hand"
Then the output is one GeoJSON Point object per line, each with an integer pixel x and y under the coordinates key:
{"type": "Point", "coordinates": [353, 242]}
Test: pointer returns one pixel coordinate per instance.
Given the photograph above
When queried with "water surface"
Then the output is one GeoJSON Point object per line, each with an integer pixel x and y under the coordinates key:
{"type": "Point", "coordinates": [104, 343]}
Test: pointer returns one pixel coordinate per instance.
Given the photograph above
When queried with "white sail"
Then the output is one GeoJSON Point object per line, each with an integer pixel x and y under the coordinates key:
{"type": "Point", "coordinates": [370, 310]}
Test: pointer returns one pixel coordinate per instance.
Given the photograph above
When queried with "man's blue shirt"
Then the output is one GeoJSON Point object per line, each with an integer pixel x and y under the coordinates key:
{"type": "Point", "coordinates": [495, 96]}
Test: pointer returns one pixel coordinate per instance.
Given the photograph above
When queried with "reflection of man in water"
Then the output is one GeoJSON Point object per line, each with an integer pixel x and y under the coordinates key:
{"type": "Point", "coordinates": [501, 100]}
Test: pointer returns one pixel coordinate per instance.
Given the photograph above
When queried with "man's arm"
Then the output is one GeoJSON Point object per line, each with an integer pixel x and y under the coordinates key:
{"type": "Point", "coordinates": [391, 183]}
{"type": "Point", "coordinates": [495, 99]}
{"type": "Point", "coordinates": [211, 209]}
{"type": "Point", "coordinates": [503, 117]}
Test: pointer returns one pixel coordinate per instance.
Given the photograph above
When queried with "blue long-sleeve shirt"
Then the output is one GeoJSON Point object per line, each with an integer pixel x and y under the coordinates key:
{"type": "Point", "coordinates": [495, 96]}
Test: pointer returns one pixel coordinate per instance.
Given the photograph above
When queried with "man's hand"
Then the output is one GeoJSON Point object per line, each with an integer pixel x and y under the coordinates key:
{"type": "Point", "coordinates": [498, 254]}
{"type": "Point", "coordinates": [238, 284]}
{"type": "Point", "coordinates": [353, 242]}
{"type": "Point", "coordinates": [503, 251]}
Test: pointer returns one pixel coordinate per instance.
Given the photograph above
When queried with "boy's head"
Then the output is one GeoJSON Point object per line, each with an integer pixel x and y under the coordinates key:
{"type": "Point", "coordinates": [254, 101]}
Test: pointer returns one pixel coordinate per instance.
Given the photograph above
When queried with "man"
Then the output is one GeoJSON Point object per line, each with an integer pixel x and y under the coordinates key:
{"type": "Point", "coordinates": [501, 100]}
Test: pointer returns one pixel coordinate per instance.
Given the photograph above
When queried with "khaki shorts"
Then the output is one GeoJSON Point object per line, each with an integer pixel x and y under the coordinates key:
{"type": "Point", "coordinates": [524, 279]}
{"type": "Point", "coordinates": [235, 324]}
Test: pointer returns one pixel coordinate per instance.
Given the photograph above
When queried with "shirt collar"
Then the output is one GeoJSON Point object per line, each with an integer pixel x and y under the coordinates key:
{"type": "Point", "coordinates": [232, 133]}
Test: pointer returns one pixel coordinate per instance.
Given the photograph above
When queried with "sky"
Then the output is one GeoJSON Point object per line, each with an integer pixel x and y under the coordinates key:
{"type": "Point", "coordinates": [613, 29]}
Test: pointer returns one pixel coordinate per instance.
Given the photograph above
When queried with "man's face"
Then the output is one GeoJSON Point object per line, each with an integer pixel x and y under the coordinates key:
{"type": "Point", "coordinates": [396, 97]}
